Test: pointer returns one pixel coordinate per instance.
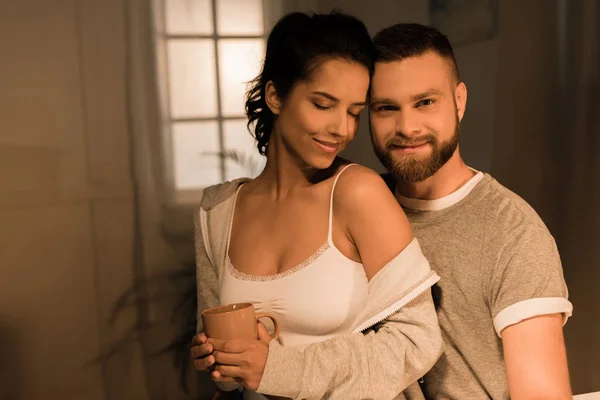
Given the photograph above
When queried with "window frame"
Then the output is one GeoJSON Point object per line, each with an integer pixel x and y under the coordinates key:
{"type": "Point", "coordinates": [175, 196]}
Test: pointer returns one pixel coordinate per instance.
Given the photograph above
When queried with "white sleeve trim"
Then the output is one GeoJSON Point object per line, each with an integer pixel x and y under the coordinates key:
{"type": "Point", "coordinates": [530, 308]}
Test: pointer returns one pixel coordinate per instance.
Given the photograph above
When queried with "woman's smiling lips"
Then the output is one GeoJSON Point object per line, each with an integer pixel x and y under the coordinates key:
{"type": "Point", "coordinates": [328, 147]}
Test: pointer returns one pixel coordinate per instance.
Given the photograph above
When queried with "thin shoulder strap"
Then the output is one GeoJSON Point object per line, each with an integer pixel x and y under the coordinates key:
{"type": "Point", "coordinates": [330, 229]}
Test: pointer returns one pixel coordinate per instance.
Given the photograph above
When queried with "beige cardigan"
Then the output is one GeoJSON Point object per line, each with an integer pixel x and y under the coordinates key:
{"type": "Point", "coordinates": [394, 342]}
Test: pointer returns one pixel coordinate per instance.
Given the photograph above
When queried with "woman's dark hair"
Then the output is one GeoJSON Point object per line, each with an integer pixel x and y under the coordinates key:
{"type": "Point", "coordinates": [297, 45]}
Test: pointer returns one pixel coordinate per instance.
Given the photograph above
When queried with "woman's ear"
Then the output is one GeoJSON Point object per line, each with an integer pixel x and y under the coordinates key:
{"type": "Point", "coordinates": [272, 98]}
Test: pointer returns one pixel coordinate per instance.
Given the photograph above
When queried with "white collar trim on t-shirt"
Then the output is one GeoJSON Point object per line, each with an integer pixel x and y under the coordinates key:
{"type": "Point", "coordinates": [443, 202]}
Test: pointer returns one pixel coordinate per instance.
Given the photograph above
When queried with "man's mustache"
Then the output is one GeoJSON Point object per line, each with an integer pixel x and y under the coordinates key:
{"type": "Point", "coordinates": [403, 141]}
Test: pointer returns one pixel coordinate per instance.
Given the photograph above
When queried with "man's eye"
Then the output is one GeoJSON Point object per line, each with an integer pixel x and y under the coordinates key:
{"type": "Point", "coordinates": [426, 102]}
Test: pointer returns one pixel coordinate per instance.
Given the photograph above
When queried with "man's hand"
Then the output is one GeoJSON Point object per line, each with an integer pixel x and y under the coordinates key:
{"type": "Point", "coordinates": [242, 360]}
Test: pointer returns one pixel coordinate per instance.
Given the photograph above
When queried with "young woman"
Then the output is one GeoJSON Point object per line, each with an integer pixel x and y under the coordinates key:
{"type": "Point", "coordinates": [317, 241]}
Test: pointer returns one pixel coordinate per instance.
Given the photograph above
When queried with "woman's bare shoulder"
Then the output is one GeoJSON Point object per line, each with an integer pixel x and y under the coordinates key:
{"type": "Point", "coordinates": [357, 180]}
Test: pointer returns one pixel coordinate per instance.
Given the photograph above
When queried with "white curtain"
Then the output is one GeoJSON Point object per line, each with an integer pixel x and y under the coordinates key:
{"type": "Point", "coordinates": [163, 244]}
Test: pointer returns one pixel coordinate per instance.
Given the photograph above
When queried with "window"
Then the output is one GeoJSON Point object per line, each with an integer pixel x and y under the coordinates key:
{"type": "Point", "coordinates": [208, 51]}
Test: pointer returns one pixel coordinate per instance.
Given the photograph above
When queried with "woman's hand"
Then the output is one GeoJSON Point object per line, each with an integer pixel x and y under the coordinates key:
{"type": "Point", "coordinates": [242, 360]}
{"type": "Point", "coordinates": [201, 353]}
{"type": "Point", "coordinates": [203, 358]}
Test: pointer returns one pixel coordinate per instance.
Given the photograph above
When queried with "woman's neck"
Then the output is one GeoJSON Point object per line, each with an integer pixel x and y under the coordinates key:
{"type": "Point", "coordinates": [284, 172]}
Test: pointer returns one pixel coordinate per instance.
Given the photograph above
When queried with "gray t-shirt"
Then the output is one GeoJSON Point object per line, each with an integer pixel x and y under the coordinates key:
{"type": "Point", "coordinates": [498, 265]}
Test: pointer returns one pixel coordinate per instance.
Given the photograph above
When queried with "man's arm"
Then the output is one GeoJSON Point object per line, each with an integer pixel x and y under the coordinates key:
{"type": "Point", "coordinates": [529, 304]}
{"type": "Point", "coordinates": [536, 359]}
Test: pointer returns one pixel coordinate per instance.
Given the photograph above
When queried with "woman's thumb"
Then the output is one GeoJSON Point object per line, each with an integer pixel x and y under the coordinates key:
{"type": "Point", "coordinates": [263, 333]}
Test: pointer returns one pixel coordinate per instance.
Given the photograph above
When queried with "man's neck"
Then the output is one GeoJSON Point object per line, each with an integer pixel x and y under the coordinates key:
{"type": "Point", "coordinates": [449, 178]}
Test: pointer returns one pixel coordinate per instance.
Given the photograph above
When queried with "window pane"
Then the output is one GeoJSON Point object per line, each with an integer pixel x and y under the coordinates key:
{"type": "Point", "coordinates": [239, 63]}
{"type": "Point", "coordinates": [242, 158]}
{"type": "Point", "coordinates": [189, 17]}
{"type": "Point", "coordinates": [239, 17]}
{"type": "Point", "coordinates": [195, 154]}
{"type": "Point", "coordinates": [192, 77]}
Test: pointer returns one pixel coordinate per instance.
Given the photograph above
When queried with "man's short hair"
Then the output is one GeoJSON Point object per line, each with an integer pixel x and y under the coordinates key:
{"type": "Point", "coordinates": [402, 41]}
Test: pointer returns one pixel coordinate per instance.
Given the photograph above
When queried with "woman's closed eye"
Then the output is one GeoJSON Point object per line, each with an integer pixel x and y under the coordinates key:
{"type": "Point", "coordinates": [353, 113]}
{"type": "Point", "coordinates": [321, 107]}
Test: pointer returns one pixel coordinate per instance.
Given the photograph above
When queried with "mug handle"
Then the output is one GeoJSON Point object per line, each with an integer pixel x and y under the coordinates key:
{"type": "Point", "coordinates": [272, 318]}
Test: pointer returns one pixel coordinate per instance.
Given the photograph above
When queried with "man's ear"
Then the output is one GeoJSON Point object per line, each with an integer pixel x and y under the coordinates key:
{"type": "Point", "coordinates": [460, 98]}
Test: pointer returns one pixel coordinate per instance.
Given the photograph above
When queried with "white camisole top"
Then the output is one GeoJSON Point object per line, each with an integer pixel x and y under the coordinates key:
{"type": "Point", "coordinates": [316, 300]}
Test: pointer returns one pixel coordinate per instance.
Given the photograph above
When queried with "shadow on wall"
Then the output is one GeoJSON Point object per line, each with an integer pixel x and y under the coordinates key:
{"type": "Point", "coordinates": [12, 378]}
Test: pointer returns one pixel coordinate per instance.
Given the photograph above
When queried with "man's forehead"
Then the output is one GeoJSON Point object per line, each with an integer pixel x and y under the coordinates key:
{"type": "Point", "coordinates": [415, 75]}
{"type": "Point", "coordinates": [428, 61]}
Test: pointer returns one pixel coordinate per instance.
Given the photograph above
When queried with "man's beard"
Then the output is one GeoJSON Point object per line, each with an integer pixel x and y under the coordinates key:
{"type": "Point", "coordinates": [412, 167]}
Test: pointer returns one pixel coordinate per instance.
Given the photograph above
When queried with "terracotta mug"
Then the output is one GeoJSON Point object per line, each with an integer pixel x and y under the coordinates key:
{"type": "Point", "coordinates": [234, 321]}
